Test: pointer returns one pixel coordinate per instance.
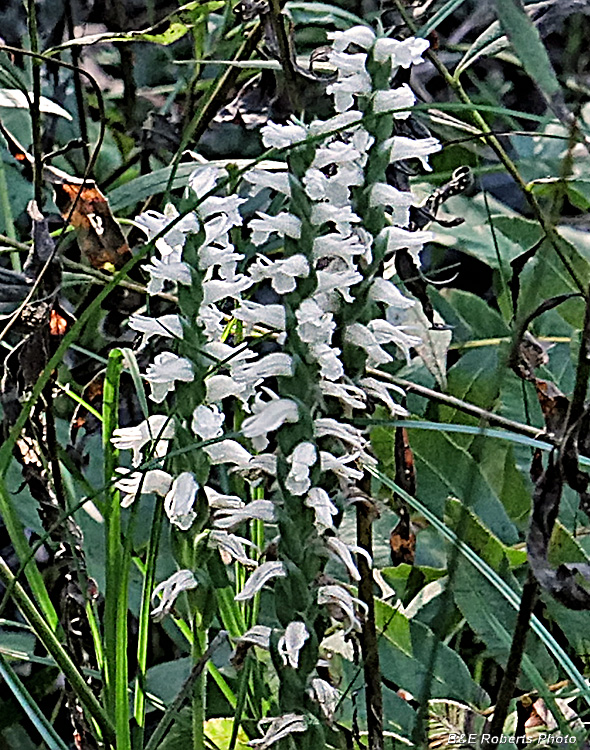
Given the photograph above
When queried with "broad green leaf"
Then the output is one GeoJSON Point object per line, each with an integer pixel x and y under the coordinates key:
{"type": "Point", "coordinates": [470, 317]}
{"type": "Point", "coordinates": [165, 680]}
{"type": "Point", "coordinates": [527, 44]}
{"type": "Point", "coordinates": [322, 14]}
{"type": "Point", "coordinates": [405, 651]}
{"type": "Point", "coordinates": [493, 620]}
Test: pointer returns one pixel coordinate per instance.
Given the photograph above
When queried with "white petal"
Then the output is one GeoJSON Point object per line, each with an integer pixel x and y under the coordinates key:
{"type": "Point", "coordinates": [262, 510]}
{"type": "Point", "coordinates": [207, 422]}
{"type": "Point", "coordinates": [180, 500]}
{"type": "Point", "coordinates": [257, 580]}
{"type": "Point", "coordinates": [323, 507]}
{"type": "Point", "coordinates": [259, 635]}
{"type": "Point", "coordinates": [279, 728]}
{"type": "Point", "coordinates": [182, 580]}
{"type": "Point", "coordinates": [292, 642]}
{"type": "Point", "coordinates": [361, 36]}
{"type": "Point", "coordinates": [401, 99]}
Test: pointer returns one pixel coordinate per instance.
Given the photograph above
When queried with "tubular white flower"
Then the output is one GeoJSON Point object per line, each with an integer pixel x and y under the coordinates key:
{"type": "Point", "coordinates": [319, 500]}
{"type": "Point", "coordinates": [170, 589]}
{"type": "Point", "coordinates": [302, 459]}
{"type": "Point", "coordinates": [338, 281]}
{"type": "Point", "coordinates": [262, 575]}
{"type": "Point", "coordinates": [401, 99]}
{"type": "Point", "coordinates": [169, 326]}
{"type": "Point", "coordinates": [217, 500]}
{"type": "Point", "coordinates": [219, 289]}
{"type": "Point", "coordinates": [384, 291]}
{"type": "Point", "coordinates": [160, 272]}
{"type": "Point", "coordinates": [254, 313]}
{"type": "Point", "coordinates": [341, 604]}
{"type": "Point", "coordinates": [326, 426]}
{"type": "Point", "coordinates": [232, 547]}
{"type": "Point", "coordinates": [386, 332]}
{"type": "Point", "coordinates": [279, 728]}
{"type": "Point", "coordinates": [180, 500]}
{"type": "Point", "coordinates": [157, 427]}
{"type": "Point", "coordinates": [350, 395]}
{"type": "Point", "coordinates": [331, 367]}
{"type": "Point", "coordinates": [207, 422]}
{"type": "Point", "coordinates": [343, 553]}
{"type": "Point", "coordinates": [268, 417]}
{"type": "Point", "coordinates": [283, 223]}
{"type": "Point", "coordinates": [221, 386]}
{"type": "Point", "coordinates": [153, 222]}
{"type": "Point", "coordinates": [154, 480]}
{"type": "Point", "coordinates": [259, 635]}
{"type": "Point", "coordinates": [360, 36]}
{"type": "Point", "coordinates": [336, 245]}
{"type": "Point", "coordinates": [228, 452]}
{"type": "Point", "coordinates": [379, 391]}
{"type": "Point", "coordinates": [362, 336]}
{"type": "Point", "coordinates": [340, 466]}
{"type": "Point", "coordinates": [401, 148]}
{"type": "Point", "coordinates": [396, 238]}
{"type": "Point", "coordinates": [341, 217]}
{"type": "Point", "coordinates": [313, 325]}
{"type": "Point", "coordinates": [402, 54]}
{"type": "Point", "coordinates": [204, 179]}
{"type": "Point", "coordinates": [229, 205]}
{"type": "Point", "coordinates": [212, 320]}
{"type": "Point", "coordinates": [383, 194]}
{"type": "Point", "coordinates": [279, 136]}
{"type": "Point", "coordinates": [291, 643]}
{"type": "Point", "coordinates": [262, 179]}
{"type": "Point", "coordinates": [326, 695]}
{"type": "Point", "coordinates": [276, 364]}
{"type": "Point", "coordinates": [166, 369]}
{"type": "Point", "coordinates": [261, 510]}
{"type": "Point", "coordinates": [282, 273]}
{"type": "Point", "coordinates": [333, 188]}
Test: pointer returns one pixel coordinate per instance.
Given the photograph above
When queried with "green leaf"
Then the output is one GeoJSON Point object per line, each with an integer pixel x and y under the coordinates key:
{"type": "Point", "coordinates": [488, 43]}
{"type": "Point", "coordinates": [405, 652]}
{"type": "Point", "coordinates": [527, 44]}
{"type": "Point", "coordinates": [15, 99]}
{"type": "Point", "coordinates": [441, 14]}
{"type": "Point", "coordinates": [30, 707]}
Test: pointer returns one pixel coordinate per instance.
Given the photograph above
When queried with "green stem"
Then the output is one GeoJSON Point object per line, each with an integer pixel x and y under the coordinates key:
{"type": "Point", "coordinates": [35, 105]}
{"type": "Point", "coordinates": [6, 210]}
{"type": "Point", "coordinates": [48, 638]}
{"type": "Point", "coordinates": [198, 690]}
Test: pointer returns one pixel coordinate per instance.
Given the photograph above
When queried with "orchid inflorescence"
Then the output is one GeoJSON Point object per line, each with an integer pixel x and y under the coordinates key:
{"type": "Point", "coordinates": [267, 359]}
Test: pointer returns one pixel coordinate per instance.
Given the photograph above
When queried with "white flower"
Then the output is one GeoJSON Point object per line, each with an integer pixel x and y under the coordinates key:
{"type": "Point", "coordinates": [343, 552]}
{"type": "Point", "coordinates": [333, 188]}
{"type": "Point", "coordinates": [336, 245]}
{"type": "Point", "coordinates": [401, 99]}
{"type": "Point", "coordinates": [182, 580]}
{"type": "Point", "coordinates": [279, 136]}
{"type": "Point", "coordinates": [324, 426]}
{"type": "Point", "coordinates": [384, 291]}
{"type": "Point", "coordinates": [159, 272]}
{"type": "Point", "coordinates": [383, 194]}
{"type": "Point", "coordinates": [204, 179]}
{"type": "Point", "coordinates": [261, 510]}
{"type": "Point", "coordinates": [338, 599]}
{"type": "Point", "coordinates": [401, 148]}
{"type": "Point", "coordinates": [338, 281]}
{"type": "Point", "coordinates": [276, 364]}
{"type": "Point", "coordinates": [261, 179]}
{"type": "Point", "coordinates": [339, 465]}
{"type": "Point", "coordinates": [341, 217]}
{"type": "Point", "coordinates": [217, 500]}
{"type": "Point", "coordinates": [284, 223]}
{"type": "Point", "coordinates": [259, 635]}
{"type": "Point", "coordinates": [352, 80]}
{"type": "Point", "coordinates": [349, 395]}
{"type": "Point", "coordinates": [261, 575]}
{"type": "Point", "coordinates": [218, 289]}
{"type": "Point", "coordinates": [166, 325]}
{"type": "Point", "coordinates": [228, 452]}
{"type": "Point", "coordinates": [362, 336]}
{"type": "Point", "coordinates": [313, 325]}
{"type": "Point", "coordinates": [282, 273]}
{"type": "Point", "coordinates": [326, 695]}
{"type": "Point", "coordinates": [279, 728]}
{"type": "Point", "coordinates": [166, 369]}
{"type": "Point", "coordinates": [338, 122]}
{"type": "Point", "coordinates": [180, 500]}
{"type": "Point", "coordinates": [228, 205]}
{"type": "Point", "coordinates": [318, 499]}
{"type": "Point", "coordinates": [232, 547]}
{"type": "Point", "coordinates": [386, 332]}
{"type": "Point", "coordinates": [207, 422]}
{"type": "Point", "coordinates": [303, 457]}
{"type": "Point", "coordinates": [331, 367]}
{"type": "Point", "coordinates": [153, 222]}
{"type": "Point", "coordinates": [212, 320]}
{"type": "Point", "coordinates": [130, 484]}
{"type": "Point", "coordinates": [402, 54]}
{"type": "Point", "coordinates": [157, 427]}
{"type": "Point", "coordinates": [291, 643]}
{"type": "Point", "coordinates": [268, 417]}
{"type": "Point", "coordinates": [380, 391]}
{"type": "Point", "coordinates": [254, 313]}
{"type": "Point", "coordinates": [360, 36]}
{"type": "Point", "coordinates": [221, 386]}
